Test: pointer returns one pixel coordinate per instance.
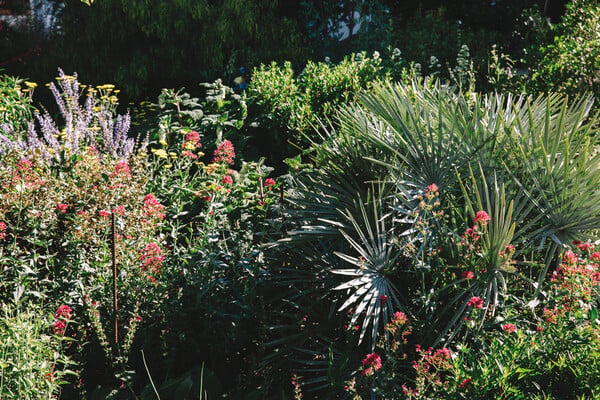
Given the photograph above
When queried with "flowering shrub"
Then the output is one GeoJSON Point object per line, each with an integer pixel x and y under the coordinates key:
{"type": "Point", "coordinates": [72, 198]}
{"type": "Point", "coordinates": [91, 124]}
{"type": "Point", "coordinates": [551, 352]}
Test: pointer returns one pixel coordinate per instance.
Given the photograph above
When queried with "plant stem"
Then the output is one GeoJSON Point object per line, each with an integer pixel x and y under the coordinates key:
{"type": "Point", "coordinates": [114, 271]}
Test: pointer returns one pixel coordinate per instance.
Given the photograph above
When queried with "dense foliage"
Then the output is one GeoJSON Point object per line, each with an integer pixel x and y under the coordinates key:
{"type": "Point", "coordinates": [428, 240]}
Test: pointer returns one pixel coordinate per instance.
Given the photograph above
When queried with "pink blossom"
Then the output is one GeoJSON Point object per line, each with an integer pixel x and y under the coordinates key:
{"type": "Point", "coordinates": [121, 168]}
{"type": "Point", "coordinates": [224, 153]}
{"type": "Point", "coordinates": [59, 327]}
{"type": "Point", "coordinates": [61, 207]}
{"type": "Point", "coordinates": [152, 207]}
{"type": "Point", "coordinates": [432, 188]}
{"type": "Point", "coordinates": [372, 364]}
{"type": "Point", "coordinates": [269, 182]}
{"type": "Point", "coordinates": [193, 137]}
{"type": "Point", "coordinates": [119, 210]}
{"type": "Point", "coordinates": [227, 180]}
{"type": "Point", "coordinates": [63, 312]}
{"type": "Point", "coordinates": [468, 275]}
{"type": "Point", "coordinates": [189, 154]}
{"type": "Point", "coordinates": [509, 328]}
{"type": "Point", "coordinates": [481, 218]}
{"type": "Point", "coordinates": [2, 230]}
{"type": "Point", "coordinates": [475, 302]}
{"type": "Point", "coordinates": [152, 258]}
{"type": "Point", "coordinates": [570, 258]}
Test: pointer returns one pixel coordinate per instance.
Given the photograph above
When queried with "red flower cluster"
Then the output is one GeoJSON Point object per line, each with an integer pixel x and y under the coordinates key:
{"type": "Point", "coordinates": [468, 275]}
{"type": "Point", "coordinates": [509, 328]}
{"type": "Point", "coordinates": [227, 180]}
{"type": "Point", "coordinates": [481, 218]}
{"type": "Point", "coordinates": [270, 182]}
{"type": "Point", "coordinates": [432, 191]}
{"type": "Point", "coordinates": [2, 230]}
{"type": "Point", "coordinates": [224, 153]}
{"type": "Point", "coordinates": [119, 210]}
{"type": "Point", "coordinates": [193, 137]}
{"type": "Point", "coordinates": [121, 168]}
{"type": "Point", "coordinates": [152, 258]}
{"type": "Point", "coordinates": [475, 302]}
{"type": "Point", "coordinates": [152, 207]}
{"type": "Point", "coordinates": [24, 165]}
{"type": "Point", "coordinates": [189, 154]}
{"type": "Point", "coordinates": [372, 364]}
{"type": "Point", "coordinates": [59, 327]}
{"type": "Point", "coordinates": [61, 207]}
{"type": "Point", "coordinates": [62, 314]}
{"type": "Point", "coordinates": [400, 324]}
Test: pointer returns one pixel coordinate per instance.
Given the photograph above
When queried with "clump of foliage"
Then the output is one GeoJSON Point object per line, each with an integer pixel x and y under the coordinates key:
{"type": "Point", "coordinates": [172, 42]}
{"type": "Point", "coordinates": [33, 364]}
{"type": "Point", "coordinates": [380, 218]}
{"type": "Point", "coordinates": [16, 110]}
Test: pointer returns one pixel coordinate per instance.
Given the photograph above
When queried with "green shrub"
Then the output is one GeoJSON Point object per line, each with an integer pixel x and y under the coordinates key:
{"type": "Point", "coordinates": [286, 109]}
{"type": "Point", "coordinates": [170, 43]}
{"type": "Point", "coordinates": [32, 360]}
{"type": "Point", "coordinates": [16, 110]}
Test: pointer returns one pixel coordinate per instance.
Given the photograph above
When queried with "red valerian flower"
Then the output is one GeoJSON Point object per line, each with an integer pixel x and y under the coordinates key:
{"type": "Point", "coordinates": [59, 327]}
{"type": "Point", "coordinates": [61, 207]}
{"type": "Point", "coordinates": [63, 312]}
{"type": "Point", "coordinates": [570, 258]}
{"type": "Point", "coordinates": [509, 328]}
{"type": "Point", "coordinates": [2, 230]}
{"type": "Point", "coordinates": [152, 207]}
{"type": "Point", "coordinates": [224, 153]}
{"type": "Point", "coordinates": [227, 180]}
{"type": "Point", "coordinates": [269, 182]}
{"type": "Point", "coordinates": [372, 364]}
{"type": "Point", "coordinates": [189, 154]}
{"type": "Point", "coordinates": [443, 353]}
{"type": "Point", "coordinates": [481, 218]}
{"type": "Point", "coordinates": [475, 302]}
{"type": "Point", "coordinates": [432, 188]}
{"type": "Point", "coordinates": [595, 256]}
{"type": "Point", "coordinates": [151, 258]}
{"type": "Point", "coordinates": [468, 275]}
{"type": "Point", "coordinates": [465, 383]}
{"type": "Point", "coordinates": [193, 137]}
{"type": "Point", "coordinates": [121, 168]}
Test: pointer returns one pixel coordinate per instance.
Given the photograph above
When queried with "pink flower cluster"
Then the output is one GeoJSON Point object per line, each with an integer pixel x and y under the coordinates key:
{"type": "Point", "coordinates": [62, 208]}
{"type": "Point", "coordinates": [2, 230]}
{"type": "Point", "coordinates": [152, 207]}
{"type": "Point", "coordinates": [399, 325]}
{"type": "Point", "coordinates": [269, 183]}
{"type": "Point", "coordinates": [152, 258]}
{"type": "Point", "coordinates": [62, 315]}
{"type": "Point", "coordinates": [371, 364]}
{"type": "Point", "coordinates": [224, 153]}
{"type": "Point", "coordinates": [475, 302]}
{"type": "Point", "coordinates": [481, 218]}
{"type": "Point", "coordinates": [121, 169]}
{"type": "Point", "coordinates": [509, 328]}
